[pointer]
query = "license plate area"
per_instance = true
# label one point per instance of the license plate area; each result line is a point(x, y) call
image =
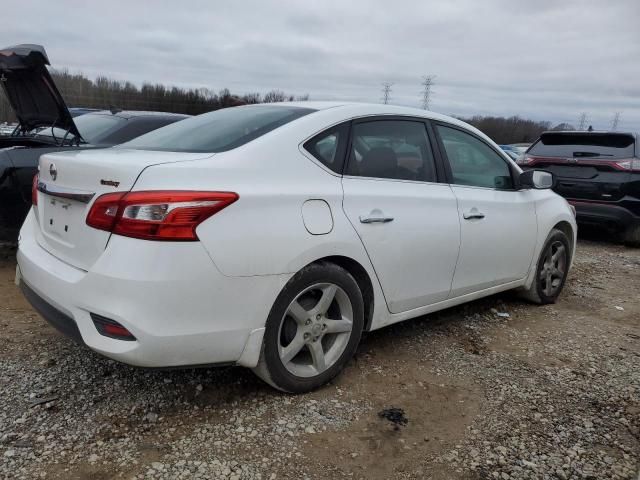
point(59, 218)
point(581, 172)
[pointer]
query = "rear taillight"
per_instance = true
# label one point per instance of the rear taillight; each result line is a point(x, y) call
point(157, 215)
point(525, 159)
point(34, 189)
point(629, 164)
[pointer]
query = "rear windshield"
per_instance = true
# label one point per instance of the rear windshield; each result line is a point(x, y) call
point(218, 131)
point(610, 145)
point(95, 126)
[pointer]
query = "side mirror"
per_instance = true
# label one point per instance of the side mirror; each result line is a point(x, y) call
point(538, 179)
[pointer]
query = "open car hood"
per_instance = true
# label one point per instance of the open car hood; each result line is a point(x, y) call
point(31, 91)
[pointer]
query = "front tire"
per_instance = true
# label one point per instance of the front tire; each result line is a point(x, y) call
point(313, 329)
point(631, 236)
point(551, 270)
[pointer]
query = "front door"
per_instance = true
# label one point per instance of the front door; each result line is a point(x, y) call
point(498, 222)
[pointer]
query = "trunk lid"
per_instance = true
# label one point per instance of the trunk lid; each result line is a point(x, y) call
point(587, 165)
point(68, 185)
point(31, 91)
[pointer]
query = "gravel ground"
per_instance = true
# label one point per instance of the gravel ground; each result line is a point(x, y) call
point(494, 389)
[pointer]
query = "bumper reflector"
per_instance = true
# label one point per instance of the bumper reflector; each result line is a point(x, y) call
point(111, 328)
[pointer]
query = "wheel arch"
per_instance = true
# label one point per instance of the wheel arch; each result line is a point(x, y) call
point(566, 228)
point(362, 278)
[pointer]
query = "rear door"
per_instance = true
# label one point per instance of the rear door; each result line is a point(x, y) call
point(498, 223)
point(407, 221)
point(588, 165)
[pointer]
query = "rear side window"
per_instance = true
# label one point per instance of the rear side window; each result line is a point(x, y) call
point(329, 147)
point(393, 149)
point(584, 145)
point(220, 130)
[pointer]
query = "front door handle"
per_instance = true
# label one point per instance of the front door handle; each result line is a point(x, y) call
point(474, 213)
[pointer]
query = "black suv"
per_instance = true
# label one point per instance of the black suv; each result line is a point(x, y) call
point(597, 172)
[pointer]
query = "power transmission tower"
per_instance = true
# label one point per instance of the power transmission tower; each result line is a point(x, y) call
point(582, 121)
point(386, 92)
point(615, 121)
point(427, 83)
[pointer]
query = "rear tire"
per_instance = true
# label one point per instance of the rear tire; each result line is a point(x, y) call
point(551, 269)
point(313, 329)
point(631, 236)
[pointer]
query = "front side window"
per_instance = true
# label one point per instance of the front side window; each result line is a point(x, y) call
point(393, 149)
point(473, 162)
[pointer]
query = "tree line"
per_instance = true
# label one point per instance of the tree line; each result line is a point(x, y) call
point(104, 93)
point(505, 130)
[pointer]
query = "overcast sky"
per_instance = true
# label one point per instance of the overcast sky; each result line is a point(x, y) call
point(542, 59)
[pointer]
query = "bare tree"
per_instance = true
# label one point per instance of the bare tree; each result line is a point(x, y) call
point(615, 121)
point(386, 92)
point(509, 130)
point(427, 83)
point(275, 96)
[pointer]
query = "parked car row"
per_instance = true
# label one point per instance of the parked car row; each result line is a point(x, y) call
point(7, 128)
point(45, 124)
point(513, 152)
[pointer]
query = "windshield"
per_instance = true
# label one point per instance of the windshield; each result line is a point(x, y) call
point(584, 145)
point(218, 131)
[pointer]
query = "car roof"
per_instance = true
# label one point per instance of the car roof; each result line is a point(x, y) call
point(365, 109)
point(344, 111)
point(587, 132)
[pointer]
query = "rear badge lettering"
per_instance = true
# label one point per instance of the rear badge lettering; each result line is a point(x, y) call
point(110, 183)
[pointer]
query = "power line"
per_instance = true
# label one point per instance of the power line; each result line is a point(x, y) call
point(386, 92)
point(427, 83)
point(615, 121)
point(582, 121)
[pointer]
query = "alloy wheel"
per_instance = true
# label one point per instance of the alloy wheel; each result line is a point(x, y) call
point(554, 268)
point(315, 329)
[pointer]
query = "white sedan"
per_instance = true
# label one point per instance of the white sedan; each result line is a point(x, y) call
point(272, 236)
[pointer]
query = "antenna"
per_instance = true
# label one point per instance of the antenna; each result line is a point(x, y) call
point(386, 92)
point(427, 83)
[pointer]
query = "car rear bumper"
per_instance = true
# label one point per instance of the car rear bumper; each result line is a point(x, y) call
point(611, 215)
point(170, 296)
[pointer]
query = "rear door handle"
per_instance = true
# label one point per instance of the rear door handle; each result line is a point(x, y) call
point(474, 213)
point(375, 219)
